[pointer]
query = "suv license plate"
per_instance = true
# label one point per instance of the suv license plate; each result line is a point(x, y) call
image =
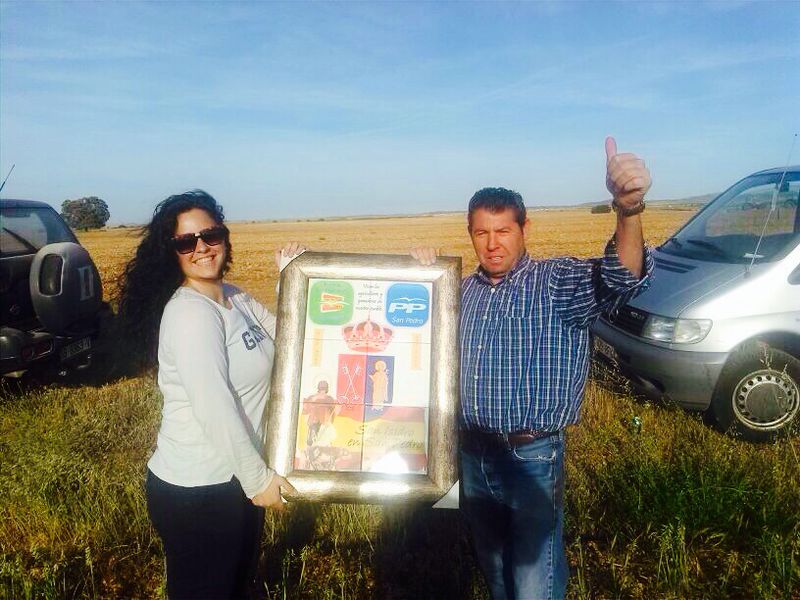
point(76, 348)
point(606, 349)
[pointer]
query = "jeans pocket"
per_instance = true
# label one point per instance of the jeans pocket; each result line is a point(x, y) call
point(540, 451)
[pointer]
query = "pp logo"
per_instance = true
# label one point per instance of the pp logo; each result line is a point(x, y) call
point(407, 305)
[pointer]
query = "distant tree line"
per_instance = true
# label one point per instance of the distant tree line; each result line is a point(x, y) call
point(85, 213)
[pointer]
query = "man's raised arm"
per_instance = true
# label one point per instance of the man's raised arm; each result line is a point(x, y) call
point(628, 180)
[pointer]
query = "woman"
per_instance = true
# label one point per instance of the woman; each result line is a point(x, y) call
point(207, 482)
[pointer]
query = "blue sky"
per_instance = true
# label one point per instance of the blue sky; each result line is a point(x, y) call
point(313, 109)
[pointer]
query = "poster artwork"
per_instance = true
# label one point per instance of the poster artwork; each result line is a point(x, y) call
point(365, 377)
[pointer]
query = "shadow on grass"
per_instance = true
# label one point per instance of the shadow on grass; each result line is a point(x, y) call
point(287, 537)
point(424, 553)
point(110, 363)
point(350, 551)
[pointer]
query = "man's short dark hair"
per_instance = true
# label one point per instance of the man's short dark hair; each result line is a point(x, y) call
point(495, 200)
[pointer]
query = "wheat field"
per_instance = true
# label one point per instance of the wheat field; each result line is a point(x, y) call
point(573, 232)
point(658, 505)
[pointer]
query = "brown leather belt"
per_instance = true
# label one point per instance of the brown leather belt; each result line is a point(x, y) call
point(475, 439)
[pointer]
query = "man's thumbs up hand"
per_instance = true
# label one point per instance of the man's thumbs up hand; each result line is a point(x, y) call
point(626, 177)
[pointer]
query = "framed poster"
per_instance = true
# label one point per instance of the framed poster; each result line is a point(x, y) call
point(364, 397)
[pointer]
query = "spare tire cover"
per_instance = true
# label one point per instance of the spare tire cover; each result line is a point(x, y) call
point(65, 288)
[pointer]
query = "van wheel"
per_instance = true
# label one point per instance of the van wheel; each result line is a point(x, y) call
point(758, 393)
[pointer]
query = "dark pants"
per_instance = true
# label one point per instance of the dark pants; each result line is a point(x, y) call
point(513, 501)
point(211, 536)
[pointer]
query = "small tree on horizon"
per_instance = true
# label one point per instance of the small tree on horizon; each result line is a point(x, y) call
point(600, 208)
point(85, 213)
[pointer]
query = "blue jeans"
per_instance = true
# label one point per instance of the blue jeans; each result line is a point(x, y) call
point(513, 502)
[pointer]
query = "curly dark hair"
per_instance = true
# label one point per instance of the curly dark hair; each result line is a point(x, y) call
point(153, 274)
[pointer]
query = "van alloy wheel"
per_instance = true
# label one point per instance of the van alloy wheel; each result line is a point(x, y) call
point(766, 399)
point(758, 393)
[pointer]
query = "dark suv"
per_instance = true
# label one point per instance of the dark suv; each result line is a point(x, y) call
point(50, 291)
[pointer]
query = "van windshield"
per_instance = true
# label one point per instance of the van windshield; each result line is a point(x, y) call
point(728, 229)
point(26, 230)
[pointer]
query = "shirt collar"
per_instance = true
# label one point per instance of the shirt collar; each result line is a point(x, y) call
point(521, 266)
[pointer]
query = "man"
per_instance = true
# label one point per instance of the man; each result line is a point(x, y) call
point(524, 361)
point(318, 404)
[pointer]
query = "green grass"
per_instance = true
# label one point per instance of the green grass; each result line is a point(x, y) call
point(679, 510)
point(74, 522)
point(667, 509)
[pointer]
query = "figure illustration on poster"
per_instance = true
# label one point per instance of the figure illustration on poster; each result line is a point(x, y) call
point(379, 382)
point(320, 453)
point(316, 414)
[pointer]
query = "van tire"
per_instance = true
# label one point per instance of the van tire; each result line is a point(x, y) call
point(758, 393)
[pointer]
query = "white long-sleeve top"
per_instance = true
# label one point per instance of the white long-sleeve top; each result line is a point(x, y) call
point(214, 367)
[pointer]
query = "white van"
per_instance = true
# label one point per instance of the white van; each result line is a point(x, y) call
point(719, 327)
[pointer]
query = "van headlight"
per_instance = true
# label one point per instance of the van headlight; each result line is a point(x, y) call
point(677, 331)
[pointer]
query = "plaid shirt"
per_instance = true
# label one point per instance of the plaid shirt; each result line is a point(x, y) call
point(525, 341)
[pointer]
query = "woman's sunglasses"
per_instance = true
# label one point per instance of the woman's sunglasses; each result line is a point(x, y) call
point(213, 236)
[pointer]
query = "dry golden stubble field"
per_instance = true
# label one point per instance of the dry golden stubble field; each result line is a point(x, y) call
point(668, 508)
point(574, 232)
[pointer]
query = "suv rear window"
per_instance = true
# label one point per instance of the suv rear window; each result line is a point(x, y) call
point(26, 230)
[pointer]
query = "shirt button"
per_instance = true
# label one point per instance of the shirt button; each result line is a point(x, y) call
point(484, 317)
point(480, 347)
point(474, 376)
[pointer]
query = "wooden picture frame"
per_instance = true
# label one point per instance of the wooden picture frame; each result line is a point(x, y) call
point(373, 337)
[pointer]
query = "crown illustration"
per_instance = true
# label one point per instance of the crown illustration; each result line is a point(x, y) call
point(367, 336)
